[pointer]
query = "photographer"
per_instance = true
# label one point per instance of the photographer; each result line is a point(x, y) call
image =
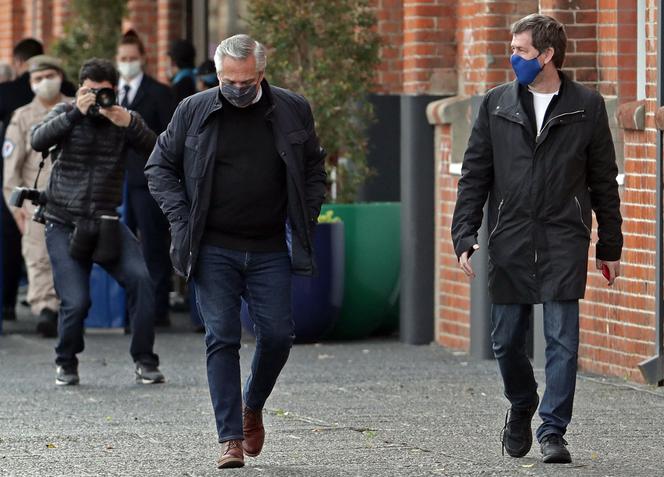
point(22, 167)
point(82, 225)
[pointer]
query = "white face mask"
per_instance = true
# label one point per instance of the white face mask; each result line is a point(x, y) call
point(129, 69)
point(47, 89)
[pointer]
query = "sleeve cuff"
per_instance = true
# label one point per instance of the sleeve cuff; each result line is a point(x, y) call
point(75, 115)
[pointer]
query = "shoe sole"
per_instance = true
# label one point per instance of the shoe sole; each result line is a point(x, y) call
point(140, 380)
point(557, 459)
point(231, 463)
point(66, 383)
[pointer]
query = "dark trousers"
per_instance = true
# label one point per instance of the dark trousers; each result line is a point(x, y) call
point(145, 216)
point(11, 258)
point(72, 283)
point(561, 332)
point(263, 279)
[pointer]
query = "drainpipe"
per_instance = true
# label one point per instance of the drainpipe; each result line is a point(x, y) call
point(652, 369)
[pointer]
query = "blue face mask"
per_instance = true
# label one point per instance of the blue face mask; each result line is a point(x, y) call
point(526, 70)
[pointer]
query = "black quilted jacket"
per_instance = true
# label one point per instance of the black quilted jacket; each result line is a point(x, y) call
point(89, 166)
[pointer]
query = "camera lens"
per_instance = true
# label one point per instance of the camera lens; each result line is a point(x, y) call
point(106, 97)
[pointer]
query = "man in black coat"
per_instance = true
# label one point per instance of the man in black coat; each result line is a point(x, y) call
point(154, 102)
point(182, 56)
point(240, 175)
point(541, 150)
point(13, 95)
point(82, 223)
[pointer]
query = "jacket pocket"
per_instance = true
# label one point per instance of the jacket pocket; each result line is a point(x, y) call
point(578, 207)
point(495, 227)
point(193, 166)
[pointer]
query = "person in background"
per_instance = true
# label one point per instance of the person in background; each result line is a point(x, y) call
point(21, 169)
point(182, 55)
point(13, 95)
point(82, 223)
point(206, 76)
point(153, 100)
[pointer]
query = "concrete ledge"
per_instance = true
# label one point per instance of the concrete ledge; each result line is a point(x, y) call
point(449, 110)
point(632, 115)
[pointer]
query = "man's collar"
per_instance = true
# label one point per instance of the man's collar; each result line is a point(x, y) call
point(134, 83)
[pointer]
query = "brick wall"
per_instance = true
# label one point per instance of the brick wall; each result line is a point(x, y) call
point(143, 19)
point(389, 75)
point(156, 21)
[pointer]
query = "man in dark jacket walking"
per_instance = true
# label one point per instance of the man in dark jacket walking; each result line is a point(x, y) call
point(239, 174)
point(154, 102)
point(82, 226)
point(542, 152)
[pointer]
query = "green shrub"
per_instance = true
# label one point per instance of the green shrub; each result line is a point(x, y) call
point(326, 50)
point(92, 31)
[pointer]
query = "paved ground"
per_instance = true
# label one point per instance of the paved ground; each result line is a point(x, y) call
point(375, 408)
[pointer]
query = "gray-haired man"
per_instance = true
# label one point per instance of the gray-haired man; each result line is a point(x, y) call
point(239, 174)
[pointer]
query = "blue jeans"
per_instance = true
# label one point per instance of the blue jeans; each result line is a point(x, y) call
point(561, 332)
point(72, 283)
point(222, 277)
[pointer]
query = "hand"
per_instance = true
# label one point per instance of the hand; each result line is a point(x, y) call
point(84, 99)
point(117, 115)
point(464, 261)
point(20, 216)
point(614, 269)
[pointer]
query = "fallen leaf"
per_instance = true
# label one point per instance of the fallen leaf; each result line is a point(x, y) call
point(51, 446)
point(527, 466)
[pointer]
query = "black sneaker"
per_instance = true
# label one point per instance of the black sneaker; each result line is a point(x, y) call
point(148, 374)
point(517, 437)
point(66, 376)
point(554, 450)
point(48, 323)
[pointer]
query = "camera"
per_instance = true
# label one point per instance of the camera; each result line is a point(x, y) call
point(104, 98)
point(37, 197)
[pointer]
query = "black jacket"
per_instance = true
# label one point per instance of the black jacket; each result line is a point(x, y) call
point(154, 102)
point(541, 192)
point(180, 174)
point(88, 170)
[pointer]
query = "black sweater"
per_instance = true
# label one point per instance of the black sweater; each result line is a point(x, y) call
point(248, 203)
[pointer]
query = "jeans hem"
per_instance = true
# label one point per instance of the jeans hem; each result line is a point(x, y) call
point(233, 437)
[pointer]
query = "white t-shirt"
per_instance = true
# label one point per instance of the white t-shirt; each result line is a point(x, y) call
point(541, 102)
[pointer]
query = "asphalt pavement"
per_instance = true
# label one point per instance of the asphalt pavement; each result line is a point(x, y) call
point(368, 408)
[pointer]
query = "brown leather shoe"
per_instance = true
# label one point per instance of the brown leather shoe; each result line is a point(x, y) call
point(231, 455)
point(254, 432)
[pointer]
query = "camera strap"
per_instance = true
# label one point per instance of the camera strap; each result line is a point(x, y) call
point(42, 163)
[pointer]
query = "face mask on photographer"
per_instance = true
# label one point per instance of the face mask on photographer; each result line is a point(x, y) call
point(130, 69)
point(47, 89)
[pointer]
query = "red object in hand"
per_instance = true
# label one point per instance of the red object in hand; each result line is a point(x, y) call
point(606, 272)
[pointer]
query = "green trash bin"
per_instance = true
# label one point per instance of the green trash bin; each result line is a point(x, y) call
point(371, 289)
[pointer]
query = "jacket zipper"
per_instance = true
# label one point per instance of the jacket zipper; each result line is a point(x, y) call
point(556, 117)
point(500, 206)
point(578, 205)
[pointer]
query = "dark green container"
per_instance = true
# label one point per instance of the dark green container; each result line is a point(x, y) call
point(371, 289)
